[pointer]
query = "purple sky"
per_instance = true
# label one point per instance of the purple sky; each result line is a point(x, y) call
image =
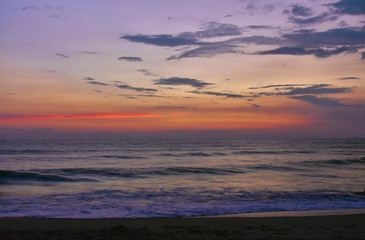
point(182, 68)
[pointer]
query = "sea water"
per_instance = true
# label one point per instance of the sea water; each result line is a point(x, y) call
point(170, 178)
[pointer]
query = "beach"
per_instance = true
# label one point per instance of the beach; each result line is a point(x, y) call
point(315, 225)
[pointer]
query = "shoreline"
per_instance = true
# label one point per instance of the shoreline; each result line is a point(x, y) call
point(274, 214)
point(337, 224)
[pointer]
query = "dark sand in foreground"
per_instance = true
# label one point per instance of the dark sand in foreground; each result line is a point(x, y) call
point(294, 227)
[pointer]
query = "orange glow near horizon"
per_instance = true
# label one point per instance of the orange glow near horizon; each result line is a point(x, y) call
point(195, 121)
point(86, 116)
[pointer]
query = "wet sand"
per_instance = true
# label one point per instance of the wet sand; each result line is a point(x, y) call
point(337, 224)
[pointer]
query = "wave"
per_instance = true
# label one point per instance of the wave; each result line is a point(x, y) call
point(248, 152)
point(27, 151)
point(202, 170)
point(274, 168)
point(122, 157)
point(194, 154)
point(175, 202)
point(338, 161)
point(143, 172)
point(94, 174)
point(6, 176)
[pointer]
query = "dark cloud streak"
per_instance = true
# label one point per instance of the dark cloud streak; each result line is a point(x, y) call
point(301, 42)
point(318, 52)
point(89, 52)
point(279, 85)
point(131, 59)
point(319, 101)
point(313, 20)
point(316, 89)
point(214, 29)
point(61, 55)
point(302, 11)
point(208, 50)
point(332, 37)
point(258, 27)
point(138, 89)
point(227, 95)
point(352, 7)
point(146, 72)
point(97, 83)
point(229, 46)
point(175, 81)
point(348, 78)
point(161, 40)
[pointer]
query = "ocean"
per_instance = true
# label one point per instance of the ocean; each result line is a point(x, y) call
point(178, 178)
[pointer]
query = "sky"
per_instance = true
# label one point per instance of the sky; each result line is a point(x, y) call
point(182, 68)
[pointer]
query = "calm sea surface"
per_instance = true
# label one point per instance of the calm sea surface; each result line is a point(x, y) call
point(102, 179)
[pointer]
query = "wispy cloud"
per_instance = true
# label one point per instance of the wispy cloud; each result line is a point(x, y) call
point(97, 83)
point(165, 40)
point(146, 72)
point(319, 101)
point(259, 40)
point(279, 85)
point(259, 7)
point(32, 8)
point(259, 27)
point(91, 80)
point(90, 52)
point(298, 10)
point(318, 52)
point(131, 59)
point(176, 81)
point(204, 49)
point(213, 29)
point(332, 37)
point(233, 45)
point(306, 94)
point(138, 89)
point(39, 8)
point(299, 42)
point(62, 55)
point(220, 94)
point(317, 89)
point(348, 78)
point(324, 17)
point(321, 44)
point(352, 7)
point(285, 50)
point(153, 96)
point(290, 89)
point(210, 30)
point(208, 50)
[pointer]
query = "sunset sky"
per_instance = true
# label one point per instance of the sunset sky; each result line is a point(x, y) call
point(254, 67)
